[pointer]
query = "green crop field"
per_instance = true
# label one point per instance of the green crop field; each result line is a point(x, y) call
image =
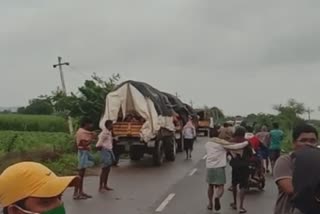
point(18, 141)
point(41, 123)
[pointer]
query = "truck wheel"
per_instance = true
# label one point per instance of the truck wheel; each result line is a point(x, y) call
point(158, 153)
point(135, 153)
point(170, 146)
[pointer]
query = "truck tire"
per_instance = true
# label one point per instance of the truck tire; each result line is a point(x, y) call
point(170, 149)
point(135, 153)
point(158, 153)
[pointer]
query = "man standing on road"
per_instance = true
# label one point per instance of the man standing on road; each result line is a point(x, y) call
point(30, 187)
point(104, 144)
point(240, 169)
point(276, 137)
point(303, 135)
point(215, 163)
point(84, 137)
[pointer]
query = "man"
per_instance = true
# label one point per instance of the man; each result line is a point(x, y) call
point(264, 138)
point(306, 188)
point(216, 162)
point(240, 169)
point(30, 187)
point(226, 132)
point(107, 158)
point(303, 135)
point(276, 137)
point(84, 137)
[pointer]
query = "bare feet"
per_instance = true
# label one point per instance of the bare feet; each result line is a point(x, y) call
point(85, 195)
point(108, 188)
point(102, 190)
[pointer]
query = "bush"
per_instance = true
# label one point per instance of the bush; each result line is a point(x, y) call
point(65, 165)
point(16, 141)
point(21, 122)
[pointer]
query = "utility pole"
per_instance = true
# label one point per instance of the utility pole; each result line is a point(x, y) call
point(60, 64)
point(309, 111)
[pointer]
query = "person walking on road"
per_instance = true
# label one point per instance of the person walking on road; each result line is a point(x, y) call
point(240, 169)
point(107, 158)
point(189, 134)
point(276, 138)
point(30, 187)
point(264, 138)
point(303, 135)
point(84, 137)
point(216, 162)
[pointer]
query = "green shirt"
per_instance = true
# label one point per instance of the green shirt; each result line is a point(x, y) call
point(276, 137)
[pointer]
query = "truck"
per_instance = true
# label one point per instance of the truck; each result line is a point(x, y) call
point(205, 123)
point(143, 122)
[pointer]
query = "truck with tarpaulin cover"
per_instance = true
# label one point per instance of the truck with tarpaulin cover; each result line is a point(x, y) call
point(143, 121)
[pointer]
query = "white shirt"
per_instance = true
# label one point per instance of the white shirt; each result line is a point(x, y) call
point(105, 139)
point(189, 131)
point(217, 153)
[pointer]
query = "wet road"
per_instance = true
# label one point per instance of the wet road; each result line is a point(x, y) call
point(177, 187)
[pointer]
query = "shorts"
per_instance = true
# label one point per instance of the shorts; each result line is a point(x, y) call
point(216, 176)
point(107, 158)
point(274, 154)
point(240, 176)
point(188, 144)
point(85, 159)
point(264, 152)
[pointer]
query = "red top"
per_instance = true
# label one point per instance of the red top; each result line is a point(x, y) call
point(254, 142)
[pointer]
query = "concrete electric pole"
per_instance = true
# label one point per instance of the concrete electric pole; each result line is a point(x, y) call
point(60, 64)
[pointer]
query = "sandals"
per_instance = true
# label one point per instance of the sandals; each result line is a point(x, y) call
point(209, 207)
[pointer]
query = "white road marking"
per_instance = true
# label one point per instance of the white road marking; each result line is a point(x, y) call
point(193, 171)
point(204, 157)
point(165, 202)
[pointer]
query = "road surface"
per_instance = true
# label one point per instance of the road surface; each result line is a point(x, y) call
point(174, 188)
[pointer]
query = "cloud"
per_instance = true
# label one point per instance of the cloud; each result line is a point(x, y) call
point(193, 47)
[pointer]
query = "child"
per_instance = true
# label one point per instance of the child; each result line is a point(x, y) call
point(84, 138)
point(107, 157)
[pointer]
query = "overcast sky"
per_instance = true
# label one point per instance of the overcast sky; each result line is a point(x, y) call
point(242, 56)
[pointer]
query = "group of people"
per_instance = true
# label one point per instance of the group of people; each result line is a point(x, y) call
point(29, 187)
point(217, 151)
point(297, 175)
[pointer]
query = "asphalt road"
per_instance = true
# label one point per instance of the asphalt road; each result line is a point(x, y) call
point(174, 188)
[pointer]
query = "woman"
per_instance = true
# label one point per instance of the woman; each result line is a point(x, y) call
point(105, 146)
point(189, 134)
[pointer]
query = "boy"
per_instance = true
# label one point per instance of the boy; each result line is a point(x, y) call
point(84, 138)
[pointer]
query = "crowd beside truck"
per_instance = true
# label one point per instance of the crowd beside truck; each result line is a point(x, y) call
point(140, 120)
